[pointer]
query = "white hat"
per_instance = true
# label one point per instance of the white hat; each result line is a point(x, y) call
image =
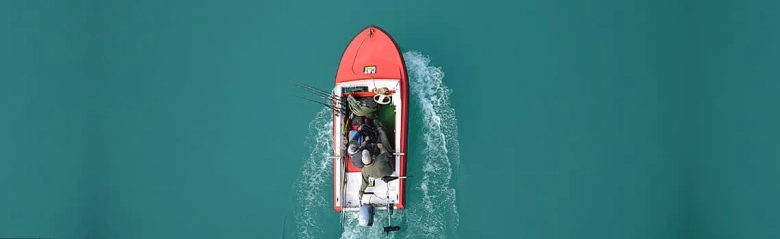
point(366, 157)
point(352, 150)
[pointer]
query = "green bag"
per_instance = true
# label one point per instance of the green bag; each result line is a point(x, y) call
point(363, 107)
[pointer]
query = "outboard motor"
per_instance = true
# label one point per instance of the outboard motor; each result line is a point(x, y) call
point(366, 215)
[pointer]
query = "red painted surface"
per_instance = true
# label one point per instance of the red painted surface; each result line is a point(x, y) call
point(378, 50)
point(366, 94)
point(373, 47)
point(351, 167)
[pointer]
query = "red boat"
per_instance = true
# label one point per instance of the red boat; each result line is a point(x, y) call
point(372, 66)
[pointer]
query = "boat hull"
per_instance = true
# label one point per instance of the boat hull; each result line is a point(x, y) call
point(371, 60)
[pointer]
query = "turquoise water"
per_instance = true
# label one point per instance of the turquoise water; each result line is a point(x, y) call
point(564, 119)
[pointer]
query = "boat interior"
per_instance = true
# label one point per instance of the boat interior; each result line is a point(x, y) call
point(385, 114)
point(385, 95)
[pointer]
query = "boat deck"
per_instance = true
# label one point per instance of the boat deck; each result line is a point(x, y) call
point(374, 195)
point(386, 115)
point(346, 191)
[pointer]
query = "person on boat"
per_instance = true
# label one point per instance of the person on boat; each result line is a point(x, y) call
point(362, 136)
point(357, 149)
point(377, 166)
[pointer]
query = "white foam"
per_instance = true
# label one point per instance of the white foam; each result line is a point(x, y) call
point(311, 195)
point(438, 214)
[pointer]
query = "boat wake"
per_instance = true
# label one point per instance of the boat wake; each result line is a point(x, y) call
point(436, 216)
point(313, 189)
point(431, 210)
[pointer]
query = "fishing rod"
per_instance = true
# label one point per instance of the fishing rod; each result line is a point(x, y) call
point(333, 98)
point(316, 92)
point(333, 107)
point(320, 93)
point(310, 87)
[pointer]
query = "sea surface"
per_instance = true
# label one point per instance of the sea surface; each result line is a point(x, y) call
point(529, 119)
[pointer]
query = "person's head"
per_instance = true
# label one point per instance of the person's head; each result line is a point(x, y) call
point(367, 160)
point(353, 148)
